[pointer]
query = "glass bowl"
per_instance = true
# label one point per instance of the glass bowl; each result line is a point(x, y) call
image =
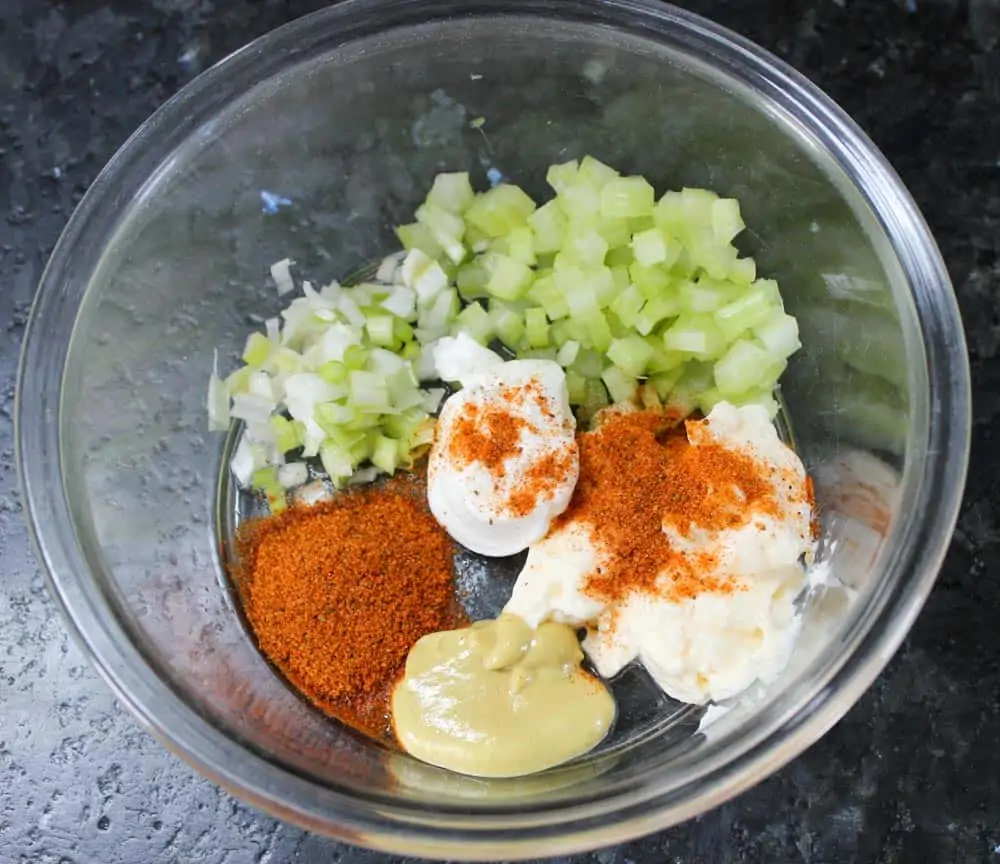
point(348, 114)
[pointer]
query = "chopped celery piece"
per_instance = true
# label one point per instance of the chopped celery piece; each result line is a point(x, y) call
point(595, 173)
point(631, 354)
point(475, 321)
point(507, 324)
point(779, 334)
point(580, 203)
point(369, 391)
point(402, 331)
point(257, 350)
point(726, 219)
point(603, 283)
point(238, 381)
point(567, 353)
point(576, 384)
point(696, 335)
point(654, 311)
point(548, 295)
point(417, 236)
point(588, 363)
point(520, 245)
point(577, 290)
point(619, 256)
point(626, 197)
point(451, 192)
point(380, 330)
point(627, 305)
point(621, 385)
point(536, 328)
point(742, 271)
point(537, 354)
point(705, 295)
point(500, 210)
point(561, 177)
point(286, 433)
point(586, 249)
point(446, 228)
point(747, 311)
point(331, 416)
point(472, 279)
point(337, 462)
point(615, 232)
point(598, 329)
point(548, 224)
point(355, 357)
point(651, 281)
point(385, 454)
point(746, 366)
point(621, 278)
point(596, 394)
point(650, 247)
point(509, 278)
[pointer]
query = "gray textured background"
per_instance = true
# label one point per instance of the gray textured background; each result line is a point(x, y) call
point(911, 774)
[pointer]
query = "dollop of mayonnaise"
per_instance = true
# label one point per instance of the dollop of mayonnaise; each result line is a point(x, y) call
point(499, 699)
point(699, 646)
point(504, 460)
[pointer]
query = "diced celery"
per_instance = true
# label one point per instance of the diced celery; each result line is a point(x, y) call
point(567, 353)
point(626, 197)
point(507, 324)
point(548, 224)
point(622, 280)
point(380, 330)
point(475, 321)
point(401, 330)
point(595, 394)
point(537, 354)
point(417, 236)
point(604, 286)
point(580, 202)
point(779, 334)
point(595, 173)
point(656, 310)
point(649, 247)
point(696, 335)
point(669, 213)
point(337, 462)
point(451, 192)
point(705, 295)
point(286, 361)
point(616, 232)
point(588, 363)
point(519, 245)
point(715, 258)
point(545, 292)
point(630, 354)
point(369, 391)
point(648, 396)
point(385, 454)
point(621, 386)
point(500, 210)
point(355, 357)
point(560, 177)
point(446, 228)
point(742, 271)
point(750, 309)
point(333, 371)
point(726, 219)
point(576, 384)
point(509, 278)
point(472, 278)
point(663, 360)
point(331, 416)
point(771, 292)
point(598, 329)
point(577, 290)
point(238, 381)
point(698, 204)
point(627, 305)
point(651, 281)
point(257, 350)
point(745, 366)
point(586, 249)
point(286, 433)
point(664, 382)
point(536, 328)
point(619, 256)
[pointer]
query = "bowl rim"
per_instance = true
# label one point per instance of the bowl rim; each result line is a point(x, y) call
point(283, 794)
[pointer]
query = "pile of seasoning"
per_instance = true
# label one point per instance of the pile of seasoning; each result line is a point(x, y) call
point(337, 594)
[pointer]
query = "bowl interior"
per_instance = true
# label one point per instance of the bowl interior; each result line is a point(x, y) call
point(352, 134)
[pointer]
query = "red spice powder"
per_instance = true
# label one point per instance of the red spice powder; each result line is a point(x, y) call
point(638, 473)
point(542, 480)
point(488, 434)
point(338, 593)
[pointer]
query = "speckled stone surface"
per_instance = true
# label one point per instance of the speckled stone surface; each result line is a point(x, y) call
point(913, 771)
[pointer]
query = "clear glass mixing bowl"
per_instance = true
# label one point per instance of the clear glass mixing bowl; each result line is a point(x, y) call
point(349, 113)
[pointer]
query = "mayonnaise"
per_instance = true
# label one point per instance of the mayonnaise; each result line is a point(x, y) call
point(504, 460)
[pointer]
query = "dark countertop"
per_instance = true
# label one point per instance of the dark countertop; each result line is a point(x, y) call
point(912, 773)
